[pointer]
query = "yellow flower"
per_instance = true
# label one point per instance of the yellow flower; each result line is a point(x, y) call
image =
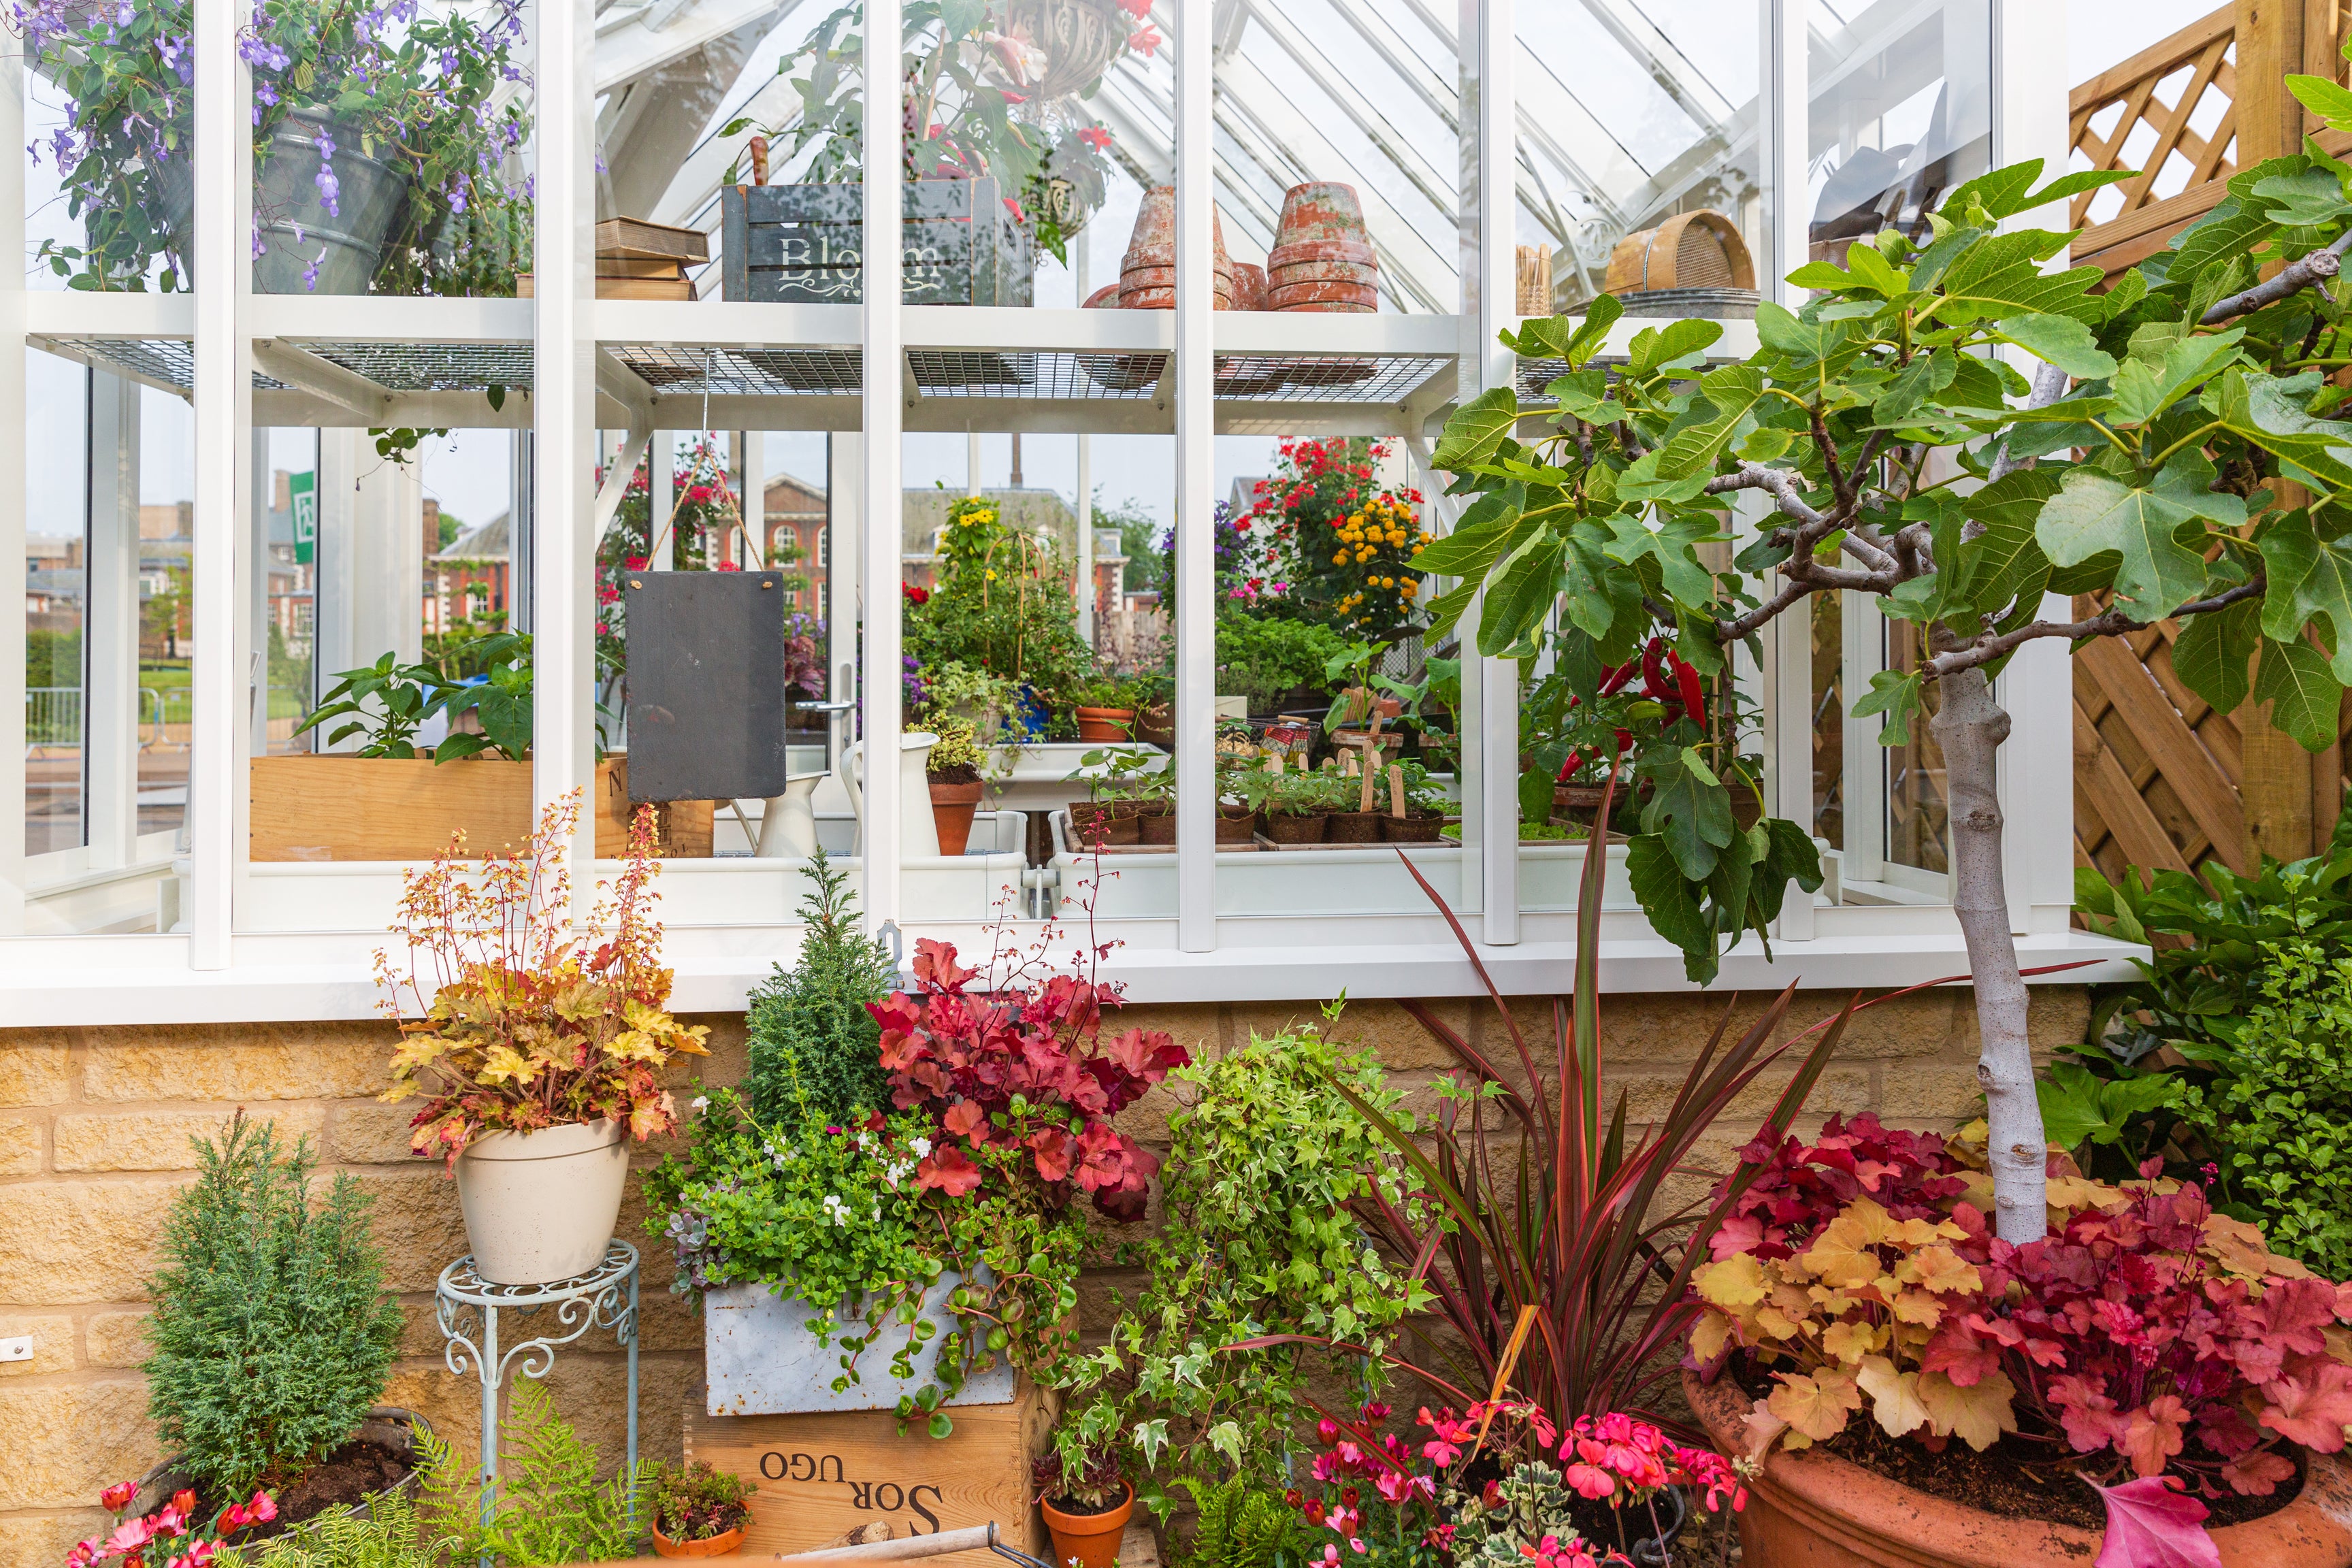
point(1409, 588)
point(1340, 559)
point(992, 573)
point(1419, 548)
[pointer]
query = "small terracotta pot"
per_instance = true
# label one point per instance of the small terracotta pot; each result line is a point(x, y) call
point(1088, 1539)
point(1352, 827)
point(1816, 1511)
point(1105, 724)
point(1155, 828)
point(1287, 828)
point(1235, 824)
point(1249, 286)
point(1415, 829)
point(1097, 823)
point(725, 1545)
point(951, 808)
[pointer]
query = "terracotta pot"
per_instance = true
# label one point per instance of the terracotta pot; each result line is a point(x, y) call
point(1322, 258)
point(1352, 827)
point(1816, 1511)
point(1317, 213)
point(1097, 823)
point(1155, 827)
point(1102, 298)
point(1416, 829)
point(1349, 299)
point(714, 1546)
point(1235, 825)
point(1287, 828)
point(1156, 726)
point(1088, 1539)
point(1105, 724)
point(1249, 286)
point(951, 808)
point(1118, 372)
point(1146, 273)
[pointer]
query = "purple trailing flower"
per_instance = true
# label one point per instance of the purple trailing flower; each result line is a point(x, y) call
point(329, 188)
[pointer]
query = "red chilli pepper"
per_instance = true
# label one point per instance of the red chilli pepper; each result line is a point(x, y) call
point(1694, 697)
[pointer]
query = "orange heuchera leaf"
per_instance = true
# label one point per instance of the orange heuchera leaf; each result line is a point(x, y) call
point(1940, 1269)
point(948, 1169)
point(2152, 1434)
point(2258, 1473)
point(1817, 1405)
point(1895, 1399)
point(1843, 1254)
point(1976, 1415)
point(1849, 1343)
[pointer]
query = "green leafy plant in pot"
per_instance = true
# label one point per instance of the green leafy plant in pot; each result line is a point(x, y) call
point(1086, 1499)
point(952, 771)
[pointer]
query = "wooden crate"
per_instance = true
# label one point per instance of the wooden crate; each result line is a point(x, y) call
point(803, 244)
point(822, 1475)
point(333, 807)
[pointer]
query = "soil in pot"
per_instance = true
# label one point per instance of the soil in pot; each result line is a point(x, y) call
point(1633, 1532)
point(1156, 826)
point(1284, 828)
point(360, 1469)
point(1105, 724)
point(1352, 827)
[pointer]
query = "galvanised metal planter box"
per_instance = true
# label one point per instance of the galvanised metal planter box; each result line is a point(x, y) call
point(762, 1359)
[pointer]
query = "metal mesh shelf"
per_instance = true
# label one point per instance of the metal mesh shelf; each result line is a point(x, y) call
point(744, 373)
point(163, 362)
point(432, 367)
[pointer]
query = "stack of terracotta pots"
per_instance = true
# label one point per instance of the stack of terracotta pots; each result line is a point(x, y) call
point(1147, 274)
point(1321, 260)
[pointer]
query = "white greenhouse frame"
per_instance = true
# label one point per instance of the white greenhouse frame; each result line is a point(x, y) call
point(218, 967)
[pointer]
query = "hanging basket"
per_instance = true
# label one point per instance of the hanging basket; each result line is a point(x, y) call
point(1079, 37)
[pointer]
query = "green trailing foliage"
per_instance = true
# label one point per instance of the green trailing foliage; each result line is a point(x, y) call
point(272, 1328)
point(815, 1052)
point(1263, 1170)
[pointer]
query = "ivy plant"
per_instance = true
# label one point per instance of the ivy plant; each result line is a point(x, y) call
point(2174, 455)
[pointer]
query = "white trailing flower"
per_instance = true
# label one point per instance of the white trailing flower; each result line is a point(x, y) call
point(836, 1210)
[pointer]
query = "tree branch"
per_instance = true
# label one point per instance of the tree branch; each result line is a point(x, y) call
point(2293, 278)
point(2048, 386)
point(1985, 649)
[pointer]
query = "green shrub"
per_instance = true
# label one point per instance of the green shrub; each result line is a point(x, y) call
point(1265, 658)
point(1245, 1524)
point(2277, 1115)
point(272, 1328)
point(549, 1505)
point(815, 1052)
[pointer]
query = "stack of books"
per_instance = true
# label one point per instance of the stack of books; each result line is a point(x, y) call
point(640, 260)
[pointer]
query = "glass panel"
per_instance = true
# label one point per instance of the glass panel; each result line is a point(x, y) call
point(1894, 123)
point(289, 555)
point(390, 147)
point(1827, 631)
point(56, 578)
point(1640, 162)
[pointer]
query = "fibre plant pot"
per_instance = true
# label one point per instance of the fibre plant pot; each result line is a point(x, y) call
point(539, 1206)
point(1088, 1539)
point(951, 808)
point(709, 1546)
point(1296, 827)
point(1816, 1511)
point(1105, 724)
point(1100, 822)
point(1417, 828)
point(1352, 827)
point(1235, 825)
point(1155, 827)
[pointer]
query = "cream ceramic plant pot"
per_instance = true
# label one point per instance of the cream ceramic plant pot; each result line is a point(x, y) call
point(539, 1206)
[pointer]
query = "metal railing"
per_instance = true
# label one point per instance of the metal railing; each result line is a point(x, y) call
point(53, 714)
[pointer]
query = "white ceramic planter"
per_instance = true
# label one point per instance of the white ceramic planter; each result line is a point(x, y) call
point(540, 1206)
point(761, 1359)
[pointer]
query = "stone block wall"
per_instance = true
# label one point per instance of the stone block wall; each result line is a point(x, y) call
point(95, 1124)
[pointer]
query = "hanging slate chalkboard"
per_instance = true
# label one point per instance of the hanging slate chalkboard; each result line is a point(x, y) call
point(706, 681)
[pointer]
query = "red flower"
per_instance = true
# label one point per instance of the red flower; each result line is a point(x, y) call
point(1146, 41)
point(1095, 136)
point(727, 566)
point(118, 1497)
point(633, 562)
point(916, 595)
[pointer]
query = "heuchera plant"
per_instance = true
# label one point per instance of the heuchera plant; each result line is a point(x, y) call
point(1022, 1069)
point(168, 1538)
point(2147, 1335)
point(516, 1021)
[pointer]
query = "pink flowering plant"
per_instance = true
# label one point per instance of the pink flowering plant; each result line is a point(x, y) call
point(1403, 1500)
point(168, 1538)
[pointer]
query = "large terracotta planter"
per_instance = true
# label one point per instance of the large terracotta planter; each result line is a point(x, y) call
point(1815, 1511)
point(710, 1546)
point(539, 1206)
point(1088, 1539)
point(952, 806)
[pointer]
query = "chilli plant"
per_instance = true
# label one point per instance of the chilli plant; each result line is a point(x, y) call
point(1556, 1256)
point(1895, 452)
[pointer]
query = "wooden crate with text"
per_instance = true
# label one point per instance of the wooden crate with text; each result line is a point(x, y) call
point(820, 1474)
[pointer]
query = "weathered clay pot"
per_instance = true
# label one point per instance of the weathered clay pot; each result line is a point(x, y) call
point(1249, 286)
point(1087, 1540)
point(952, 806)
point(1322, 258)
point(710, 1546)
point(1146, 273)
point(1816, 1511)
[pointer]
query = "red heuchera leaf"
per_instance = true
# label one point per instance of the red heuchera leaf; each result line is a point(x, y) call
point(2150, 1525)
point(2311, 1409)
point(964, 1117)
point(2259, 1474)
point(2151, 1436)
point(1052, 1149)
point(949, 1169)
